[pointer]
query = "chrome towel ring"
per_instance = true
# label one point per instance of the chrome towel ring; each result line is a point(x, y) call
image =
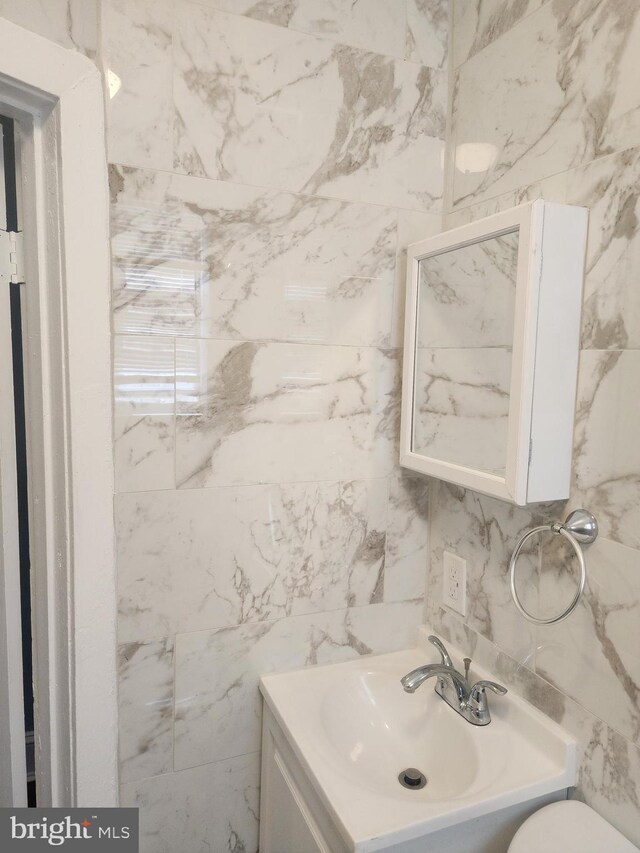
point(580, 528)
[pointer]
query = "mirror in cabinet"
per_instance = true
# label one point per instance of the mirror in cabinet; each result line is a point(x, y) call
point(491, 352)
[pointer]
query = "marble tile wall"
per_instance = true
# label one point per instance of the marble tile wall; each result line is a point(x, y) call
point(73, 24)
point(544, 105)
point(269, 163)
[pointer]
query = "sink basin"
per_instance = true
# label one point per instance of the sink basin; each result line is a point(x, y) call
point(374, 730)
point(354, 729)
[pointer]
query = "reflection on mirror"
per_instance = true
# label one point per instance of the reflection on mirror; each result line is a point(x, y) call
point(464, 339)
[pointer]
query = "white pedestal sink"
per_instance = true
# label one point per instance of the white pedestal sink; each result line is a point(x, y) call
point(337, 737)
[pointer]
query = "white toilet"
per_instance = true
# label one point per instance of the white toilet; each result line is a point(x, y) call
point(569, 827)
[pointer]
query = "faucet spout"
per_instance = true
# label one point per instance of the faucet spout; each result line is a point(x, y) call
point(453, 687)
point(412, 680)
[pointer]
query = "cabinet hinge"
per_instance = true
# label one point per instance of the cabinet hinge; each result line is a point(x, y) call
point(11, 257)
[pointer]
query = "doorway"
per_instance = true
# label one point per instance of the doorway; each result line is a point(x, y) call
point(13, 374)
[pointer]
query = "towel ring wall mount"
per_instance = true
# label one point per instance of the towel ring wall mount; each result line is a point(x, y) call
point(580, 528)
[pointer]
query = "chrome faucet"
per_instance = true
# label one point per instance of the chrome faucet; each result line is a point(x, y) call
point(412, 680)
point(470, 702)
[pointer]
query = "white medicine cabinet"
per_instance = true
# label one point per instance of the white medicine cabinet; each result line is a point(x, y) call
point(491, 351)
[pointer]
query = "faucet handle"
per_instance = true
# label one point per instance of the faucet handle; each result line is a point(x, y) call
point(478, 703)
point(477, 691)
point(440, 646)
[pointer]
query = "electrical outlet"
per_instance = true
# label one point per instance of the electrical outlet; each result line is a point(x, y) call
point(454, 592)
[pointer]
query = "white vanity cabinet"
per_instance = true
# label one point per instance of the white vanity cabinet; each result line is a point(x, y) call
point(295, 819)
point(338, 738)
point(292, 817)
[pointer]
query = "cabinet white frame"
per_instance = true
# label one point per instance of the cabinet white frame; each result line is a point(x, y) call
point(546, 343)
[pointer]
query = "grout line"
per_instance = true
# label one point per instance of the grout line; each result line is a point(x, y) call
point(381, 348)
point(321, 37)
point(225, 487)
point(187, 769)
point(285, 191)
point(174, 668)
point(274, 620)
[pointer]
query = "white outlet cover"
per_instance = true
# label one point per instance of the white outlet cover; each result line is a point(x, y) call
point(454, 582)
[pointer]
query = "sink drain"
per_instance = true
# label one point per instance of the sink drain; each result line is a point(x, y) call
point(412, 779)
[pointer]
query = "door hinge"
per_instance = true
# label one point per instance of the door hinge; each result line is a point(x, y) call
point(11, 257)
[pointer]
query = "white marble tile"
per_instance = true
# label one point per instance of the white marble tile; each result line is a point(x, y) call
point(375, 25)
point(484, 531)
point(276, 12)
point(461, 406)
point(608, 187)
point(144, 412)
point(606, 451)
point(156, 252)
point(295, 112)
point(70, 23)
point(549, 189)
point(407, 537)
point(144, 452)
point(534, 137)
point(226, 261)
point(252, 413)
point(457, 218)
point(593, 655)
point(377, 629)
point(427, 32)
point(218, 705)
point(477, 23)
point(137, 61)
point(608, 776)
point(213, 808)
point(193, 559)
point(145, 709)
point(146, 592)
point(144, 381)
point(555, 112)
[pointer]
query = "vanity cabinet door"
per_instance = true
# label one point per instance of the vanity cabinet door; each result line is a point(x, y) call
point(292, 818)
point(289, 827)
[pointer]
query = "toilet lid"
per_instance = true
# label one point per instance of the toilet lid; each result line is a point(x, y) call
point(569, 827)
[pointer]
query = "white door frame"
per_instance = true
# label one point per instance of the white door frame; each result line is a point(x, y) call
point(56, 97)
point(13, 770)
